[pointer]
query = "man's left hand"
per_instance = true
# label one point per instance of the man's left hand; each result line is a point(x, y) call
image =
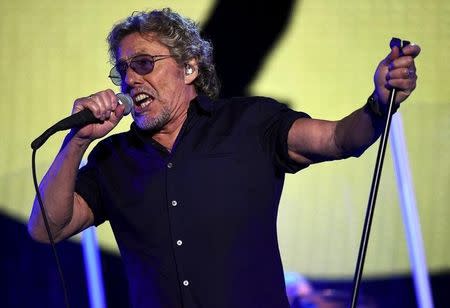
point(397, 70)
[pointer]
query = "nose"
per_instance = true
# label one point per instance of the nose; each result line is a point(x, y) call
point(132, 78)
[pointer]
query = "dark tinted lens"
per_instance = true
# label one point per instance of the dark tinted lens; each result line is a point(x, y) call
point(142, 64)
point(115, 76)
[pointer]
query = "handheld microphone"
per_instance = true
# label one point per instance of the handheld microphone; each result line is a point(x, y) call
point(79, 119)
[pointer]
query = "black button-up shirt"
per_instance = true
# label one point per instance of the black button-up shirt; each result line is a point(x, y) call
point(196, 227)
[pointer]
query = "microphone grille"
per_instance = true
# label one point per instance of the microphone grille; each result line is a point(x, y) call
point(126, 100)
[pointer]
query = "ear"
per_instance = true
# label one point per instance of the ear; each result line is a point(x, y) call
point(190, 71)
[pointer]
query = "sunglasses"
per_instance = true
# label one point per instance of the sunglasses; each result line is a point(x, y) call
point(141, 64)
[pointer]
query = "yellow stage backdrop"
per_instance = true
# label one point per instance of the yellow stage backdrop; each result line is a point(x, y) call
point(55, 51)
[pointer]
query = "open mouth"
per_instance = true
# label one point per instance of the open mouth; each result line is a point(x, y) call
point(142, 100)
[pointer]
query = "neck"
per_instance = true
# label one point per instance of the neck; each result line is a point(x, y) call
point(167, 136)
point(169, 133)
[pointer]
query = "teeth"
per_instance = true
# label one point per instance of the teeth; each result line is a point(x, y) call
point(145, 104)
point(141, 97)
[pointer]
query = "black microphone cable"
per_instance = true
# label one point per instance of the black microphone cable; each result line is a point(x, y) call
point(47, 228)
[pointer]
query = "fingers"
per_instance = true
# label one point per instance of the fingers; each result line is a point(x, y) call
point(412, 50)
point(402, 70)
point(119, 111)
point(405, 85)
point(397, 59)
point(403, 79)
point(394, 54)
point(397, 70)
point(402, 73)
point(403, 61)
point(102, 104)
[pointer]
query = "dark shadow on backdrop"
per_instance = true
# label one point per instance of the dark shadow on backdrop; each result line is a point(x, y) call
point(243, 34)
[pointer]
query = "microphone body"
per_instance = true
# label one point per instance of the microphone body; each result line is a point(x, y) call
point(79, 119)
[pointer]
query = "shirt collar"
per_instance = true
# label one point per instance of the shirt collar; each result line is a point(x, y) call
point(201, 104)
point(204, 104)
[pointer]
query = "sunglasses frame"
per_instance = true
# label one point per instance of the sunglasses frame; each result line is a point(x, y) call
point(115, 75)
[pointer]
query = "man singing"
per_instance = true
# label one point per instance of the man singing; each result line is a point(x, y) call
point(192, 189)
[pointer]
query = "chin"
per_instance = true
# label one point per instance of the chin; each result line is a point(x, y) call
point(146, 123)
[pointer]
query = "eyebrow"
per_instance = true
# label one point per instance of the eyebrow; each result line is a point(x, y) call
point(143, 53)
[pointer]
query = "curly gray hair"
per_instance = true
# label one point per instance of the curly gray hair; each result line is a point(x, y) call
point(181, 35)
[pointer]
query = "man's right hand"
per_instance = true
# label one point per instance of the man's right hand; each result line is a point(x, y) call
point(105, 107)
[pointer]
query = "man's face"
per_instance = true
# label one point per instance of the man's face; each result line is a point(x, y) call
point(160, 95)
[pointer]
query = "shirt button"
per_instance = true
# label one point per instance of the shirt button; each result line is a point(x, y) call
point(169, 165)
point(174, 202)
point(179, 242)
point(185, 283)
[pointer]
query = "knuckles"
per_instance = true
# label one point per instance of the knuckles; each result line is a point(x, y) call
point(408, 60)
point(101, 103)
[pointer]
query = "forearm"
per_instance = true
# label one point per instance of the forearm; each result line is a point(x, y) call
point(57, 191)
point(359, 130)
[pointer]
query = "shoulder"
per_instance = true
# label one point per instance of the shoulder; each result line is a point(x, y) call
point(245, 101)
point(114, 140)
point(252, 104)
point(111, 144)
point(254, 110)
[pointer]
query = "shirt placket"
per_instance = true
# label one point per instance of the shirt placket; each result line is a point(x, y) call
point(176, 209)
